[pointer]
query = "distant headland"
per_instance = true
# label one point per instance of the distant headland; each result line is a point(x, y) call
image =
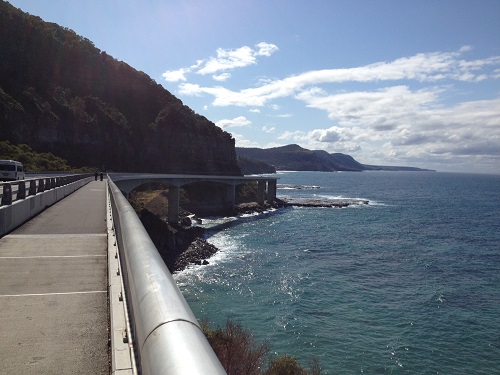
point(295, 158)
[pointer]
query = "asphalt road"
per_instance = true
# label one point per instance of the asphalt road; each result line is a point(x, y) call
point(53, 289)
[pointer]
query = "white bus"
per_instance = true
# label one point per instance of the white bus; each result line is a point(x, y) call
point(11, 170)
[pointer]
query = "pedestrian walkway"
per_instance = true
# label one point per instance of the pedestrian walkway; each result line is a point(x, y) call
point(53, 289)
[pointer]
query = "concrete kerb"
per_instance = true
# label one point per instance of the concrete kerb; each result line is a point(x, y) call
point(20, 211)
point(122, 352)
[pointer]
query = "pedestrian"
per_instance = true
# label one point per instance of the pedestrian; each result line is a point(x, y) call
point(96, 176)
point(101, 176)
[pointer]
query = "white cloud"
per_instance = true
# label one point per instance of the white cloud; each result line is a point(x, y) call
point(175, 75)
point(429, 132)
point(384, 107)
point(235, 122)
point(266, 49)
point(297, 135)
point(422, 67)
point(180, 74)
point(241, 141)
point(255, 110)
point(221, 77)
point(225, 59)
point(228, 59)
point(268, 129)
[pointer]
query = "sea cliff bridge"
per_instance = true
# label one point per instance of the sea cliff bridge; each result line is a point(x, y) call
point(83, 289)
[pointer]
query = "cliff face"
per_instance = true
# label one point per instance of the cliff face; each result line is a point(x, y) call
point(60, 94)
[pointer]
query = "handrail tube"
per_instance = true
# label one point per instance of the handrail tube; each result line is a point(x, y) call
point(167, 335)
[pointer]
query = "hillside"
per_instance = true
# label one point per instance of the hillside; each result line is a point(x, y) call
point(61, 94)
point(252, 166)
point(296, 158)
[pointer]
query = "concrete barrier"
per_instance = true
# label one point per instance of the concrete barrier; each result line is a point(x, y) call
point(18, 212)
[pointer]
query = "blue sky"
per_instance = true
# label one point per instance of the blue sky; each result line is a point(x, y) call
point(390, 82)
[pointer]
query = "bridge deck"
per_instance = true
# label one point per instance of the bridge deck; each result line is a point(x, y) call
point(53, 289)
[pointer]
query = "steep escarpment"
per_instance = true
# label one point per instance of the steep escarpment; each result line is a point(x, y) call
point(61, 94)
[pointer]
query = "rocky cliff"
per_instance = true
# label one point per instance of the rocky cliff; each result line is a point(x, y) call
point(61, 94)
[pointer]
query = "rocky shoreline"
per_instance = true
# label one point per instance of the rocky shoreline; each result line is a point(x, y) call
point(326, 202)
point(181, 245)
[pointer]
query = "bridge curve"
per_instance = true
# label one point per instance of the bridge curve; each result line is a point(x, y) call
point(128, 182)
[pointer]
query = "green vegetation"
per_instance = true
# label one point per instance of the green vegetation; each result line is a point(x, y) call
point(34, 161)
point(240, 354)
point(252, 166)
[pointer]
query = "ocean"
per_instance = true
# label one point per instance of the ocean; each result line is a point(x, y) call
point(408, 284)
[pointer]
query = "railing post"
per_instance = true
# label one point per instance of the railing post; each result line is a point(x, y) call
point(21, 190)
point(32, 190)
point(7, 194)
point(41, 185)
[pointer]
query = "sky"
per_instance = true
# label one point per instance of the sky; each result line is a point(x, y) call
point(389, 82)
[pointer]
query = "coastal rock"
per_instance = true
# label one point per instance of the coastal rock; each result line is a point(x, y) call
point(178, 246)
point(316, 202)
point(254, 207)
point(196, 253)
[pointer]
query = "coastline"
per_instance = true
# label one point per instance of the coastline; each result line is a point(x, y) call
point(200, 250)
point(184, 244)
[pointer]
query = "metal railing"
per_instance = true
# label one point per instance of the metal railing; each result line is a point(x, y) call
point(23, 199)
point(166, 336)
point(22, 189)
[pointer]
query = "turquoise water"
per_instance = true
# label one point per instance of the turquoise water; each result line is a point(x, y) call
point(409, 284)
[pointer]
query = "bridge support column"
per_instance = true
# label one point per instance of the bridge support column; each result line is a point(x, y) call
point(261, 193)
point(231, 196)
point(271, 190)
point(173, 204)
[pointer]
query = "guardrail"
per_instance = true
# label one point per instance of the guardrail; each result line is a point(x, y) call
point(166, 336)
point(23, 199)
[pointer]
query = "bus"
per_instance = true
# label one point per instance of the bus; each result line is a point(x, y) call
point(11, 170)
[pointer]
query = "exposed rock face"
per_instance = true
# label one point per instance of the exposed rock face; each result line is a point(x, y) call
point(178, 246)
